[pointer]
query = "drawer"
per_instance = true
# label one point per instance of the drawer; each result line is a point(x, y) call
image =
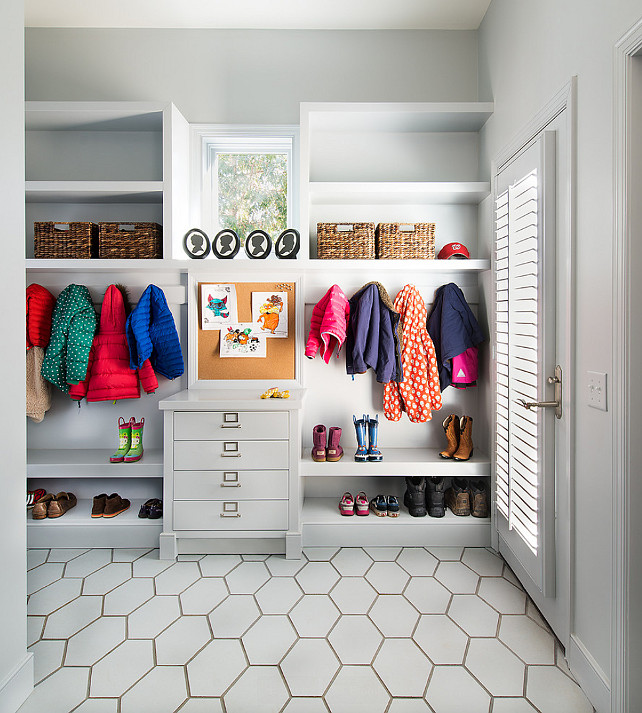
point(230, 455)
point(218, 425)
point(226, 484)
point(231, 515)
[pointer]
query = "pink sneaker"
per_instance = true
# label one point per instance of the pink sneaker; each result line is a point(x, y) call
point(346, 506)
point(362, 506)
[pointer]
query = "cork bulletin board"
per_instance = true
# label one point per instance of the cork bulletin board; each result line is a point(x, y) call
point(279, 362)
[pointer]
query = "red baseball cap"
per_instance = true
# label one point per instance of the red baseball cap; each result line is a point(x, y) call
point(453, 250)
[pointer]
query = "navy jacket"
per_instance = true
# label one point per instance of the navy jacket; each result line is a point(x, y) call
point(372, 339)
point(151, 334)
point(453, 329)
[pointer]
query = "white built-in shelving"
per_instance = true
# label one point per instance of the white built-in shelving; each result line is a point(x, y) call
point(90, 463)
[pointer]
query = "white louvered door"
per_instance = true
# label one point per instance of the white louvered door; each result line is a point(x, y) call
point(525, 318)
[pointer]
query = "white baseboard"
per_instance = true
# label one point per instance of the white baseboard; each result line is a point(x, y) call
point(17, 686)
point(589, 675)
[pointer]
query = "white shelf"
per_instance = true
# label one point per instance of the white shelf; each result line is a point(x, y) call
point(97, 265)
point(93, 116)
point(77, 528)
point(437, 266)
point(398, 193)
point(397, 462)
point(94, 192)
point(324, 526)
point(90, 463)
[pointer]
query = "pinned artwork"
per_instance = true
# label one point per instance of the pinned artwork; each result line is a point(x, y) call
point(218, 306)
point(270, 311)
point(243, 340)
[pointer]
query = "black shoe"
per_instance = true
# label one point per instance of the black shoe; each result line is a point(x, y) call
point(435, 497)
point(415, 496)
point(152, 509)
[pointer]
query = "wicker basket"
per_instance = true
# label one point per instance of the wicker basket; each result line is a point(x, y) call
point(78, 240)
point(346, 241)
point(402, 241)
point(130, 241)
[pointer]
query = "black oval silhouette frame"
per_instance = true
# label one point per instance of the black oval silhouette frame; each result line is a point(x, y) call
point(188, 235)
point(266, 252)
point(278, 245)
point(217, 238)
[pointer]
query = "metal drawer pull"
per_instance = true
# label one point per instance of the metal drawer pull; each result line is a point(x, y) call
point(231, 455)
point(230, 485)
point(230, 420)
point(231, 425)
point(230, 510)
point(230, 514)
point(231, 449)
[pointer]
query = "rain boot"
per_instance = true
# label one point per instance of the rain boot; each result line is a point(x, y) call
point(451, 427)
point(415, 496)
point(124, 440)
point(361, 455)
point(136, 450)
point(374, 454)
point(435, 497)
point(318, 444)
point(465, 449)
point(334, 451)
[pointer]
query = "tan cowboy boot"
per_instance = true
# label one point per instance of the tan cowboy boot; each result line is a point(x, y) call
point(451, 427)
point(465, 449)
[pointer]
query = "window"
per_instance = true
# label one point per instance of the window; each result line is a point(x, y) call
point(247, 179)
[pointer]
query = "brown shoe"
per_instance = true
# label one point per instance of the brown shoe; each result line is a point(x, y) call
point(451, 427)
point(479, 499)
point(39, 511)
point(465, 449)
point(458, 497)
point(114, 505)
point(60, 504)
point(98, 505)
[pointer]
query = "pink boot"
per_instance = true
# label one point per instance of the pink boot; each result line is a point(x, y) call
point(334, 451)
point(318, 444)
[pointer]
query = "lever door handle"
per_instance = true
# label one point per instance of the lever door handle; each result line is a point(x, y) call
point(538, 404)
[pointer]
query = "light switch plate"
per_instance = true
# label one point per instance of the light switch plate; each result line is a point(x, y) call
point(596, 388)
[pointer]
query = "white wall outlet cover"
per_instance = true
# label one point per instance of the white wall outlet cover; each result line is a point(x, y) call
point(596, 390)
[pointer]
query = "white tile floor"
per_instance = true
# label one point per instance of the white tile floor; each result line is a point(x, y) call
point(382, 630)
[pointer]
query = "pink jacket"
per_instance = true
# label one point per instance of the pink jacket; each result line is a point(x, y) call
point(328, 325)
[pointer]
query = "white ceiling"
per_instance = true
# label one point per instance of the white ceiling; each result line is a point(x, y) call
point(260, 14)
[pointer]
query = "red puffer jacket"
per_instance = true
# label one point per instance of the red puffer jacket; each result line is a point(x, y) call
point(109, 377)
point(40, 304)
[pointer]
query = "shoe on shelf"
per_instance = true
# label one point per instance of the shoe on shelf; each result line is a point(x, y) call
point(478, 499)
point(152, 509)
point(136, 450)
point(361, 455)
point(451, 428)
point(379, 505)
point(114, 505)
point(124, 440)
point(346, 505)
point(465, 449)
point(393, 506)
point(98, 505)
point(435, 497)
point(40, 508)
point(318, 444)
point(458, 497)
point(374, 454)
point(61, 504)
point(361, 504)
point(334, 451)
point(415, 496)
point(34, 495)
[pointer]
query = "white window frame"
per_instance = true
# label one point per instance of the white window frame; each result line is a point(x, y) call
point(207, 140)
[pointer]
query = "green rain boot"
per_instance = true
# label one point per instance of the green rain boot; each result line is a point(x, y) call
point(124, 440)
point(136, 450)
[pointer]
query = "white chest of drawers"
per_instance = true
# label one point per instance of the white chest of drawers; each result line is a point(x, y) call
point(231, 481)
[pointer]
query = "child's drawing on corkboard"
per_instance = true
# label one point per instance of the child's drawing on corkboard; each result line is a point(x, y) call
point(270, 310)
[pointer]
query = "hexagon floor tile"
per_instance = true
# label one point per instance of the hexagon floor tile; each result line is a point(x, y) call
point(378, 629)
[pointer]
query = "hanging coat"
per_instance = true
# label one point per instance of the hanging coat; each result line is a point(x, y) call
point(328, 324)
point(72, 334)
point(39, 304)
point(151, 334)
point(109, 377)
point(453, 329)
point(419, 394)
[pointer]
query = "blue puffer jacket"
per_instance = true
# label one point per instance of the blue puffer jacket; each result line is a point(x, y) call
point(151, 334)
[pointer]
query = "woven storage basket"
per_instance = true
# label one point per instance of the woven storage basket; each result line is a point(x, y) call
point(406, 241)
point(346, 241)
point(78, 240)
point(130, 241)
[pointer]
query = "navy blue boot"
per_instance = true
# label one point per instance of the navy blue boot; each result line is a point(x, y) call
point(374, 454)
point(361, 456)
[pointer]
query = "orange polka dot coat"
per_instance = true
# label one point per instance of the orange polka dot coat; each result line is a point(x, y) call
point(419, 393)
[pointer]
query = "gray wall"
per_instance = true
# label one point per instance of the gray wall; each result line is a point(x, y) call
point(527, 52)
point(16, 672)
point(254, 76)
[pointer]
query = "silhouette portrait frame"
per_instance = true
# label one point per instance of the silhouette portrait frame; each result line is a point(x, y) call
point(251, 244)
point(281, 247)
point(191, 240)
point(226, 244)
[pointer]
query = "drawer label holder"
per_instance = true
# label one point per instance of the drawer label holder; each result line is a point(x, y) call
point(230, 509)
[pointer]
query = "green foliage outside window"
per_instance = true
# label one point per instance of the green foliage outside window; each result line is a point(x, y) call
point(252, 192)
